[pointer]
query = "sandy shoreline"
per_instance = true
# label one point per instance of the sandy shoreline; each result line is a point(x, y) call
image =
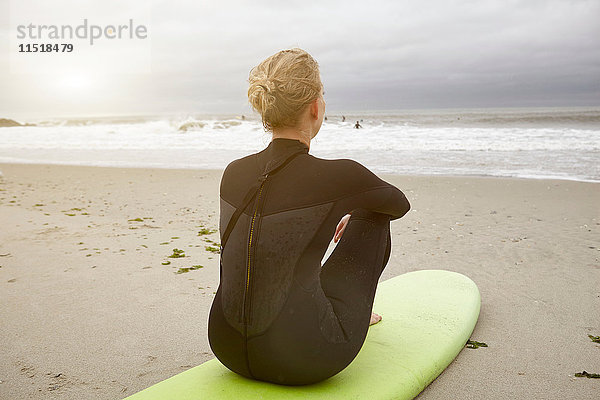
point(89, 311)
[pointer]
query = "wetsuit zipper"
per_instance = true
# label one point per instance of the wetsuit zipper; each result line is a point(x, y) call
point(253, 237)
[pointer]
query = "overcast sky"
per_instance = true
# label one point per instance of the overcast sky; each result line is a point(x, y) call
point(373, 55)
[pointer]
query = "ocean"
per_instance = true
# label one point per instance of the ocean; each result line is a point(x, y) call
point(558, 143)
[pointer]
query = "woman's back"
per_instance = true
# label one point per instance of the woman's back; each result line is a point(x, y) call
point(271, 315)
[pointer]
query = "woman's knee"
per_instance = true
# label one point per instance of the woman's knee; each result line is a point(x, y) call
point(362, 213)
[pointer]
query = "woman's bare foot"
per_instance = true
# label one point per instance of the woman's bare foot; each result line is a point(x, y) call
point(375, 318)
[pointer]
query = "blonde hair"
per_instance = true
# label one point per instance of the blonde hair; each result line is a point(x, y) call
point(282, 86)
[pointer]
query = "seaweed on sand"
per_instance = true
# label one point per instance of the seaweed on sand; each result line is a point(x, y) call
point(472, 344)
point(177, 253)
point(188, 269)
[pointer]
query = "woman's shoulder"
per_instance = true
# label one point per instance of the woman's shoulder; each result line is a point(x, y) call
point(241, 164)
point(237, 172)
point(347, 172)
point(345, 167)
point(345, 163)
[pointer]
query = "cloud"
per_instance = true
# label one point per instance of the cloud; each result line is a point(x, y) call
point(373, 55)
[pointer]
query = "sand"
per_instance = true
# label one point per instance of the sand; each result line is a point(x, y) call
point(89, 311)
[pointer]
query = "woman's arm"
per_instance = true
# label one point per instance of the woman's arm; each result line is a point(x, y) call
point(366, 190)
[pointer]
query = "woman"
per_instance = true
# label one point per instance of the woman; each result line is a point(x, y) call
point(278, 316)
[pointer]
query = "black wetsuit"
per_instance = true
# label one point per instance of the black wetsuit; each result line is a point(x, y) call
point(277, 315)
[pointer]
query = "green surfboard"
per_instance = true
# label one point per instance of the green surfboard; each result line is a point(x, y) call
point(428, 316)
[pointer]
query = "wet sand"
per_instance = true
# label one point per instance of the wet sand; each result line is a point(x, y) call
point(89, 311)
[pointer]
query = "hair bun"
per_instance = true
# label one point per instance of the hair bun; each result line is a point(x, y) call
point(261, 94)
point(267, 85)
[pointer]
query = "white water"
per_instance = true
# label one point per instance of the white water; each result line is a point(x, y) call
point(561, 144)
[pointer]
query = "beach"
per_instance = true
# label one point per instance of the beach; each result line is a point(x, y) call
point(94, 308)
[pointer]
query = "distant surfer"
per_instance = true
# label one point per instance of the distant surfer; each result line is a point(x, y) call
point(357, 125)
point(343, 118)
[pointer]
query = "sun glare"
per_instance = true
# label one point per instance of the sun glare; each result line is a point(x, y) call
point(74, 83)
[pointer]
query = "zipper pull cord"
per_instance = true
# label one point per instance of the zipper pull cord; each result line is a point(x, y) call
point(247, 199)
point(271, 167)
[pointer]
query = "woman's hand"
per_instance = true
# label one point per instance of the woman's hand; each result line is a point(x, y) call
point(340, 228)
